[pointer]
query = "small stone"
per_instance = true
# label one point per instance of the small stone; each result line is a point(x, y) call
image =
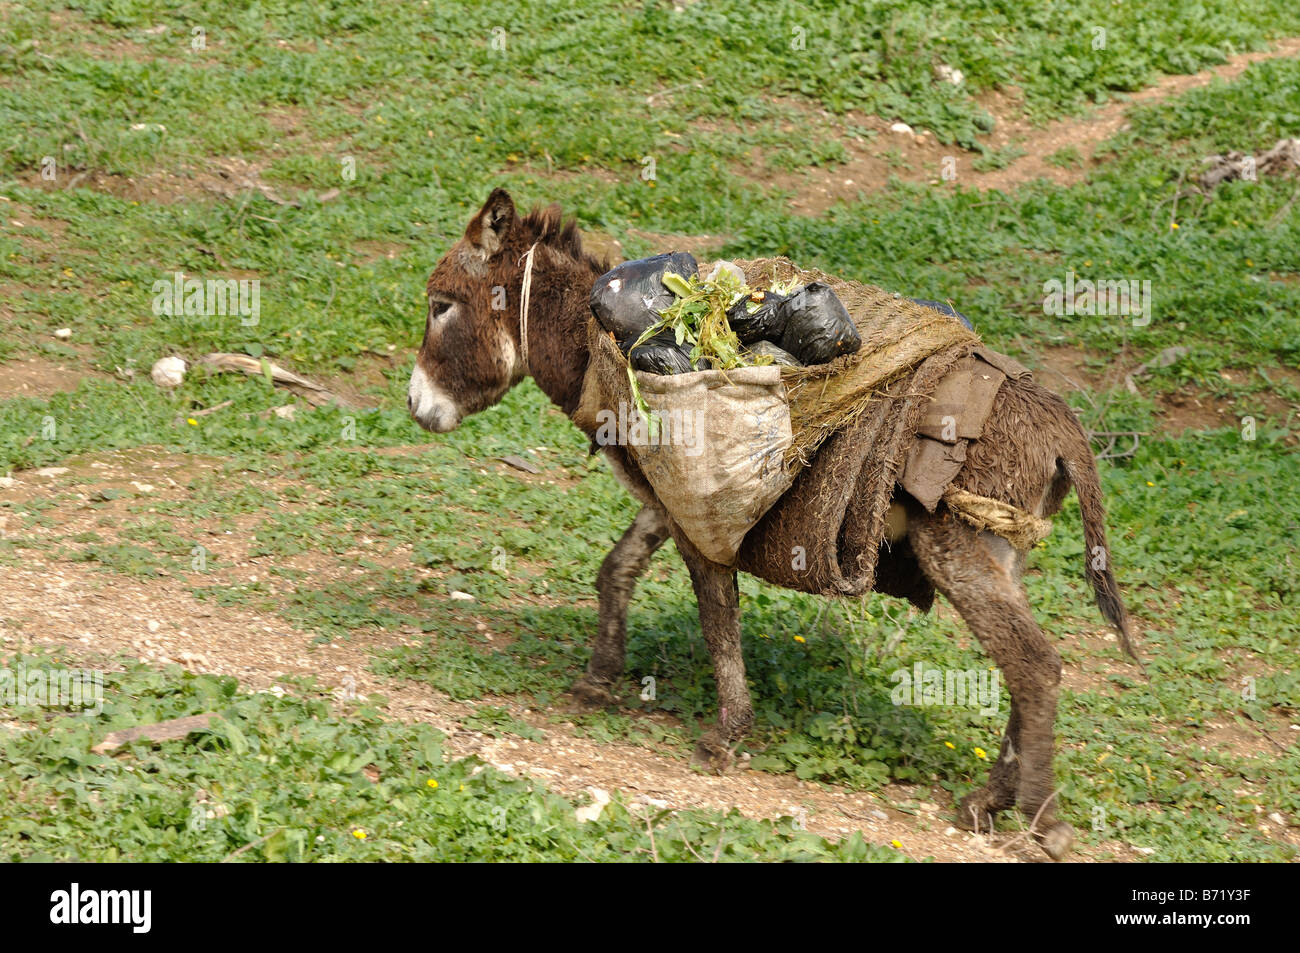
point(901, 127)
point(63, 333)
point(949, 74)
point(461, 596)
point(600, 797)
point(152, 625)
point(168, 371)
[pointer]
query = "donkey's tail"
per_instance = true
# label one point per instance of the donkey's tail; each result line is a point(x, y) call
point(1081, 468)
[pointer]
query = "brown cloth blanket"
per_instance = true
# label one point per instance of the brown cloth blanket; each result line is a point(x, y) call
point(856, 422)
point(825, 534)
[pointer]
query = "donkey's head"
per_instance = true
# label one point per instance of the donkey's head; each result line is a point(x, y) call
point(471, 353)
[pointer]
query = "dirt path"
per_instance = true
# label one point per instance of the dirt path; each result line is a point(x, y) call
point(916, 156)
point(90, 615)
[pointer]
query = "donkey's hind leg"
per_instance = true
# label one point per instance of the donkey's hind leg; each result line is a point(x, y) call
point(618, 575)
point(979, 573)
point(978, 810)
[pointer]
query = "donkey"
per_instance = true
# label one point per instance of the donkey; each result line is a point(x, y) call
point(1031, 452)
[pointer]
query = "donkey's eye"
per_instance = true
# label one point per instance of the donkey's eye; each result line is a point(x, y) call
point(438, 308)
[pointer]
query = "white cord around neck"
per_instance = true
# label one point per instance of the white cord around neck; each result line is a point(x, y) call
point(524, 292)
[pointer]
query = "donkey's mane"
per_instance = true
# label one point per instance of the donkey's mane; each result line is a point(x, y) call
point(547, 225)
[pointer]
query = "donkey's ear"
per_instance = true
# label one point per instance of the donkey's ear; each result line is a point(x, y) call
point(488, 229)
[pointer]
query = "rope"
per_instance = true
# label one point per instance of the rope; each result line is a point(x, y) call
point(524, 294)
point(1021, 529)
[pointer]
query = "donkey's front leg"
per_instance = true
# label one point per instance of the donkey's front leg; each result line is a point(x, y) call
point(719, 602)
point(618, 575)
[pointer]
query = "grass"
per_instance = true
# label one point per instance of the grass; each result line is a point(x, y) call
point(1202, 525)
point(279, 777)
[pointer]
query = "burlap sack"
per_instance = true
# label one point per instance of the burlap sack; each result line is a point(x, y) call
point(717, 457)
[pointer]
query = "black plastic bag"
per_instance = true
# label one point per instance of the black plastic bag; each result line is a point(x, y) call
point(818, 328)
point(660, 359)
point(764, 323)
point(944, 309)
point(627, 299)
point(661, 354)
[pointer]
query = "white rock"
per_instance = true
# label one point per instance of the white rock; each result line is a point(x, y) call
point(600, 797)
point(949, 74)
point(285, 411)
point(900, 127)
point(51, 471)
point(63, 333)
point(153, 625)
point(461, 596)
point(1277, 818)
point(168, 371)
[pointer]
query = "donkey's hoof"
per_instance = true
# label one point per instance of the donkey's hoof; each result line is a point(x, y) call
point(974, 815)
point(1056, 840)
point(712, 756)
point(588, 694)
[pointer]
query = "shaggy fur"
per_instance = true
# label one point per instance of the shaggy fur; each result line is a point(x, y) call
point(1031, 452)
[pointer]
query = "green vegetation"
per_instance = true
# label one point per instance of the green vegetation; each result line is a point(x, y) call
point(283, 779)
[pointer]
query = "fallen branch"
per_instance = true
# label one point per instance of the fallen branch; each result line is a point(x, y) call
point(211, 410)
point(1284, 157)
point(313, 393)
point(1167, 357)
point(1111, 436)
point(162, 731)
point(249, 846)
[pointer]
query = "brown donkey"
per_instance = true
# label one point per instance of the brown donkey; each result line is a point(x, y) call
point(1031, 452)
